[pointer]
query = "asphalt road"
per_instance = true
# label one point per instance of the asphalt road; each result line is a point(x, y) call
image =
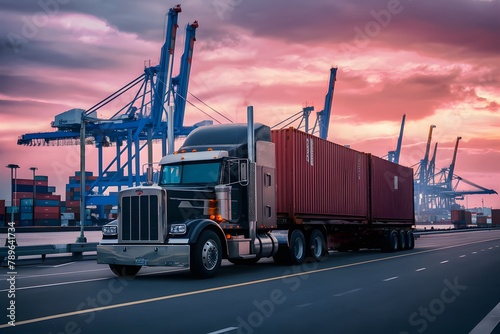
point(450, 283)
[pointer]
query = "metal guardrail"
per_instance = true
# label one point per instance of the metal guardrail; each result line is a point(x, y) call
point(76, 249)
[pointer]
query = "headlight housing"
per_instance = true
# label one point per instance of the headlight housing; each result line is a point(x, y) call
point(110, 230)
point(178, 229)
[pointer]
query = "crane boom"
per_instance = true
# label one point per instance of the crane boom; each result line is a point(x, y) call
point(324, 115)
point(452, 166)
point(182, 80)
point(165, 66)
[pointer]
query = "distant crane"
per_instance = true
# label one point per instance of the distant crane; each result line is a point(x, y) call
point(322, 117)
point(435, 193)
point(136, 124)
point(394, 155)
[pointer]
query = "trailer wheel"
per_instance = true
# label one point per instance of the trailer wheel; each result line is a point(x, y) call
point(297, 247)
point(410, 244)
point(317, 246)
point(124, 270)
point(391, 242)
point(206, 255)
point(402, 240)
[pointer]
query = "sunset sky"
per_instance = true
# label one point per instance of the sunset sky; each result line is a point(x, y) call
point(436, 61)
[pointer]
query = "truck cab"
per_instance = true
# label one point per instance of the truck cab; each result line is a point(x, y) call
point(202, 209)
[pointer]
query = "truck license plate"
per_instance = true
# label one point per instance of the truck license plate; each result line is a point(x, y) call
point(140, 261)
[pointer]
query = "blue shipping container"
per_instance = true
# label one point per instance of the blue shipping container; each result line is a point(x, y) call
point(41, 178)
point(51, 189)
point(26, 215)
point(48, 222)
point(26, 209)
point(26, 222)
point(26, 201)
point(47, 202)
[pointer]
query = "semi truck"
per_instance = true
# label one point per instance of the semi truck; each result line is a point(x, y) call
point(243, 192)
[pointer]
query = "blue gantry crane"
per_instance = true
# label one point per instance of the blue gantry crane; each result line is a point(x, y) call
point(136, 124)
point(436, 193)
point(322, 122)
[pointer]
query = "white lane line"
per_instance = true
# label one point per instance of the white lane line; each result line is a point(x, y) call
point(57, 266)
point(224, 330)
point(462, 255)
point(490, 248)
point(346, 292)
point(58, 274)
point(390, 278)
point(488, 324)
point(474, 252)
point(82, 281)
point(304, 305)
point(420, 269)
point(446, 261)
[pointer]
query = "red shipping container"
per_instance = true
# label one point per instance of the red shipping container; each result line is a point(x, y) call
point(391, 191)
point(72, 204)
point(47, 209)
point(318, 179)
point(19, 195)
point(2, 204)
point(44, 215)
point(73, 209)
point(24, 182)
point(42, 183)
point(495, 217)
point(48, 196)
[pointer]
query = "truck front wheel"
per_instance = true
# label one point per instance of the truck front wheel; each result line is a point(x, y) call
point(124, 270)
point(297, 247)
point(206, 255)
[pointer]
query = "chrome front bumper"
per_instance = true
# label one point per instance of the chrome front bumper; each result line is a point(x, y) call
point(144, 255)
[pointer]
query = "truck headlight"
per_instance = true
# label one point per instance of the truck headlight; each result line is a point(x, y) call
point(177, 228)
point(110, 230)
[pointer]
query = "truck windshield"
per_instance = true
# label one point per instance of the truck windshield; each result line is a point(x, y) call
point(199, 173)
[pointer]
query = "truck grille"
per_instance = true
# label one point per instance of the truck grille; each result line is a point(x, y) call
point(140, 216)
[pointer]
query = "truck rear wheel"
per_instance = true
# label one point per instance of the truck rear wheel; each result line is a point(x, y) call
point(410, 240)
point(402, 240)
point(391, 242)
point(206, 255)
point(121, 270)
point(317, 246)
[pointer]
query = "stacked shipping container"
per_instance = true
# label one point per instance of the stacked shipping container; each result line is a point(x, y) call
point(35, 203)
point(495, 217)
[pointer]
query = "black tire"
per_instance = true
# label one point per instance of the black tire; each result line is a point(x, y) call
point(410, 240)
point(402, 240)
point(206, 255)
point(121, 270)
point(316, 248)
point(297, 247)
point(391, 242)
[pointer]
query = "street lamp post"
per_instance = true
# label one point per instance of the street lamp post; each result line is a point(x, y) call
point(82, 238)
point(34, 169)
point(13, 193)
